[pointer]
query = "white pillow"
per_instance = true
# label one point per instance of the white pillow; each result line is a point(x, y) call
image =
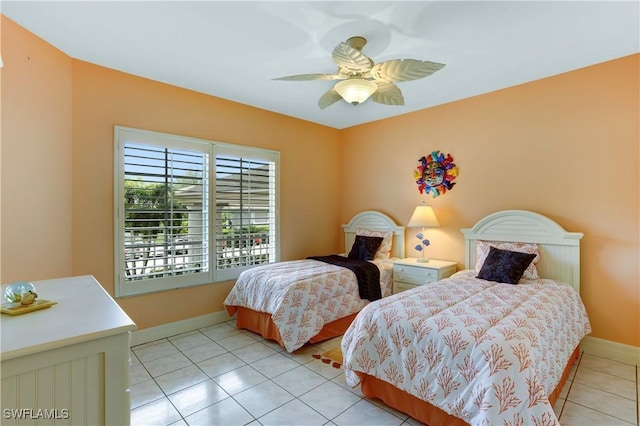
point(482, 250)
point(387, 239)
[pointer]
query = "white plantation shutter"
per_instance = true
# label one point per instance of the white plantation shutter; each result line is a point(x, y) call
point(189, 211)
point(245, 211)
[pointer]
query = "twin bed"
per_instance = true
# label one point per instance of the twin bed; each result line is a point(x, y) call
point(466, 350)
point(462, 350)
point(302, 301)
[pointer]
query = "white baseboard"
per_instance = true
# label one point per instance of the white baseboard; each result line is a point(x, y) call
point(611, 350)
point(150, 334)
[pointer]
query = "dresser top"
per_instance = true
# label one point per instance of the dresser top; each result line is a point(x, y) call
point(84, 311)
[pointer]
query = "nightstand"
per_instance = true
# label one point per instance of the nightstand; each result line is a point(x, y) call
point(409, 273)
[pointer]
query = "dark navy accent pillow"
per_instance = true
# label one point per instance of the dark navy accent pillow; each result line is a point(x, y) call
point(365, 248)
point(505, 266)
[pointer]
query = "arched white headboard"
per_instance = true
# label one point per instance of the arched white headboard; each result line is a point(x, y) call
point(374, 221)
point(559, 249)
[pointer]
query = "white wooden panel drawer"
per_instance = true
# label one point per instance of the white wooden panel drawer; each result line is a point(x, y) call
point(409, 273)
point(414, 275)
point(399, 287)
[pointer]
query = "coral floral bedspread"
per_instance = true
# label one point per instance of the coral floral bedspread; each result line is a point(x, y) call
point(302, 295)
point(485, 352)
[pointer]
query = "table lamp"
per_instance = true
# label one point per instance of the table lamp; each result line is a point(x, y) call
point(423, 216)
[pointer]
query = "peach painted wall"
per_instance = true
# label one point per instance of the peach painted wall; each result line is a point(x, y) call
point(57, 168)
point(565, 146)
point(36, 158)
point(103, 97)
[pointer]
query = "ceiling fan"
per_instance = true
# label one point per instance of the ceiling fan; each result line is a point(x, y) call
point(360, 78)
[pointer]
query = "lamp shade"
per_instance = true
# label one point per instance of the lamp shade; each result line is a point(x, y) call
point(355, 90)
point(423, 216)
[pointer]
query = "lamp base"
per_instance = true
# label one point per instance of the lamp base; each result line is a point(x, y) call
point(422, 260)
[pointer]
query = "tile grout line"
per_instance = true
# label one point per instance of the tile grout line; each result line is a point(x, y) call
point(200, 369)
point(614, 395)
point(294, 397)
point(326, 380)
point(570, 385)
point(579, 367)
point(166, 396)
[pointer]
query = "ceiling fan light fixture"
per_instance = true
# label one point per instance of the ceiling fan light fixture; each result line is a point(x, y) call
point(355, 90)
point(360, 78)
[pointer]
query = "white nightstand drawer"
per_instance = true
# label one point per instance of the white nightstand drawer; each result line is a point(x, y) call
point(420, 277)
point(399, 287)
point(409, 273)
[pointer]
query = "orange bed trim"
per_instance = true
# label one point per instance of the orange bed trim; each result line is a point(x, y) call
point(261, 323)
point(373, 387)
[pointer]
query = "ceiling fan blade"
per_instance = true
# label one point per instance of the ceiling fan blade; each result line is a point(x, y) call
point(404, 69)
point(307, 77)
point(329, 98)
point(388, 94)
point(346, 57)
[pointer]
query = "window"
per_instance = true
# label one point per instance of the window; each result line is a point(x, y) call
point(190, 211)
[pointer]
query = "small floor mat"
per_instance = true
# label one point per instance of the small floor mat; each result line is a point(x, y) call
point(332, 356)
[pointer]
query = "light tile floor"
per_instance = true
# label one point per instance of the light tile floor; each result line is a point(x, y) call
point(220, 375)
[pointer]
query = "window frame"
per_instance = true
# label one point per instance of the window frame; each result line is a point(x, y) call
point(122, 135)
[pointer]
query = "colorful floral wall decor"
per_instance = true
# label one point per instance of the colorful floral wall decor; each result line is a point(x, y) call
point(435, 173)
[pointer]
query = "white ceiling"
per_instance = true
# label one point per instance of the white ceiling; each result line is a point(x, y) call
point(234, 49)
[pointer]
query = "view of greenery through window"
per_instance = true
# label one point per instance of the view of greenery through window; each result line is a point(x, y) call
point(154, 220)
point(190, 212)
point(157, 228)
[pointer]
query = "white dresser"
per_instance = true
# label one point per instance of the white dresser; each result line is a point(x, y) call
point(409, 273)
point(67, 364)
